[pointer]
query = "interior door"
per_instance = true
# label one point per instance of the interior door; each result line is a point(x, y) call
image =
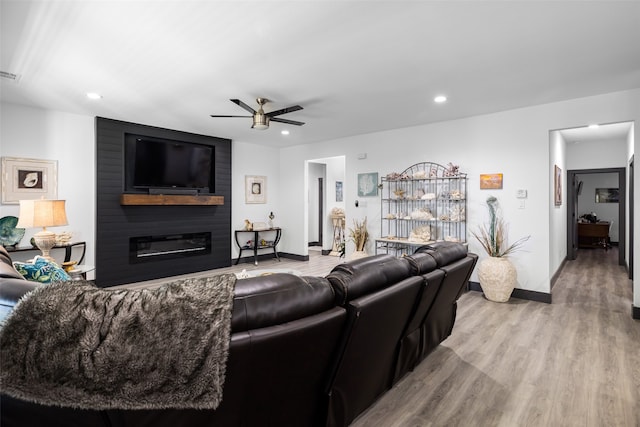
point(572, 219)
point(631, 225)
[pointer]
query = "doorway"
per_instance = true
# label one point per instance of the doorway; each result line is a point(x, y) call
point(325, 192)
point(577, 180)
point(317, 174)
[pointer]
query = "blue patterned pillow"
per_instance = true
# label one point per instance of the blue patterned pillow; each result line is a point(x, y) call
point(41, 270)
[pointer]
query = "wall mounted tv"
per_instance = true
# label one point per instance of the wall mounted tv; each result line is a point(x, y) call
point(164, 166)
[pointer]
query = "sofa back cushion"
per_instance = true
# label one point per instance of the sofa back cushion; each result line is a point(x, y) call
point(278, 298)
point(422, 263)
point(444, 252)
point(366, 275)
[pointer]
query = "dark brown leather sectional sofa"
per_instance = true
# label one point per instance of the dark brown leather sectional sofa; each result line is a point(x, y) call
point(310, 351)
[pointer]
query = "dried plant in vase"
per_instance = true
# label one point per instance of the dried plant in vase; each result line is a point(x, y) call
point(497, 274)
point(359, 234)
point(492, 237)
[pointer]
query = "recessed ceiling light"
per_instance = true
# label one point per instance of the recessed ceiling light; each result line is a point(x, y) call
point(440, 99)
point(93, 95)
point(285, 132)
point(595, 126)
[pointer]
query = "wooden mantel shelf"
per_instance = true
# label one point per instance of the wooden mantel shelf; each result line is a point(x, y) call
point(168, 199)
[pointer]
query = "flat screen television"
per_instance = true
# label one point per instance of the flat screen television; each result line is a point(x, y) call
point(168, 166)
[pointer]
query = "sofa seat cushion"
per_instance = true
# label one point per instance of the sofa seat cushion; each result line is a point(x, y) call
point(41, 270)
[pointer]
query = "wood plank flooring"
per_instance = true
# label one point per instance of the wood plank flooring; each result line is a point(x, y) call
point(575, 362)
point(318, 265)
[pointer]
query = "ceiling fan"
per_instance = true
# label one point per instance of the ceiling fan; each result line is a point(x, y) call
point(260, 118)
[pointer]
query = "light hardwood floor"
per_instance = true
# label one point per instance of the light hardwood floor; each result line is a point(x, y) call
point(318, 265)
point(575, 362)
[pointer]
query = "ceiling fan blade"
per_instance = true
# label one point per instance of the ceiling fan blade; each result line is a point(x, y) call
point(243, 105)
point(284, 111)
point(217, 115)
point(289, 122)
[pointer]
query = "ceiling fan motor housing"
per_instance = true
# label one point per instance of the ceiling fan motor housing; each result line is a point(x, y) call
point(260, 121)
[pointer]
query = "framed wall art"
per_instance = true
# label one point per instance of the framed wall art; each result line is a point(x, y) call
point(490, 181)
point(607, 195)
point(255, 189)
point(368, 184)
point(339, 191)
point(557, 185)
point(28, 179)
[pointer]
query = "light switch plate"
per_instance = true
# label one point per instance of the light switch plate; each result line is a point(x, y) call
point(521, 194)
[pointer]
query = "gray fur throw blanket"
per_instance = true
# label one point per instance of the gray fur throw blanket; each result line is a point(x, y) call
point(75, 345)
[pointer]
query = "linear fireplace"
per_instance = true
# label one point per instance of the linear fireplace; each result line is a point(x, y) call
point(162, 247)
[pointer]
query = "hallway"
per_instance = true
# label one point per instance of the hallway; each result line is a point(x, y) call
point(575, 362)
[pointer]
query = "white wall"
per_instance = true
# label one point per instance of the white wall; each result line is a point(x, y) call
point(557, 213)
point(597, 154)
point(253, 159)
point(69, 139)
point(515, 143)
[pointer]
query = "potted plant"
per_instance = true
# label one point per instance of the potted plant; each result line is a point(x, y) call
point(497, 274)
point(359, 236)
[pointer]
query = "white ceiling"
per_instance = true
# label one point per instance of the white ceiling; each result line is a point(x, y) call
point(602, 133)
point(355, 66)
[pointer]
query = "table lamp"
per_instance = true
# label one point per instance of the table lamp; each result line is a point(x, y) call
point(42, 213)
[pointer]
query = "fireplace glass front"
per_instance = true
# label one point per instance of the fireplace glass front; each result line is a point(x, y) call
point(171, 246)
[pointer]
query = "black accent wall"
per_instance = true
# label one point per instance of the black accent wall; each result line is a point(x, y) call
point(116, 223)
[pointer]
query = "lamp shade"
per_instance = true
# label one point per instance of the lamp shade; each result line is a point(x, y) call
point(42, 213)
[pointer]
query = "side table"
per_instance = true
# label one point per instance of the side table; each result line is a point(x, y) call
point(80, 272)
point(68, 248)
point(257, 242)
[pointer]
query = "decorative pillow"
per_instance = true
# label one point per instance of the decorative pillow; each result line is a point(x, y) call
point(41, 270)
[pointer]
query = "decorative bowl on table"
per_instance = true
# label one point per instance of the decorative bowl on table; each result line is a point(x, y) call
point(9, 234)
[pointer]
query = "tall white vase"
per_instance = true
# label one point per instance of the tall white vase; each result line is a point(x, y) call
point(498, 278)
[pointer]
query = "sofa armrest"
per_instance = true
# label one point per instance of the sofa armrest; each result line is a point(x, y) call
point(11, 290)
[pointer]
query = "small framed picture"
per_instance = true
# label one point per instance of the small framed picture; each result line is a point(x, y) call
point(491, 181)
point(28, 179)
point(255, 189)
point(368, 184)
point(557, 185)
point(338, 191)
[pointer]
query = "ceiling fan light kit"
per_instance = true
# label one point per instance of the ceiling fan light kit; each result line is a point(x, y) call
point(261, 119)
